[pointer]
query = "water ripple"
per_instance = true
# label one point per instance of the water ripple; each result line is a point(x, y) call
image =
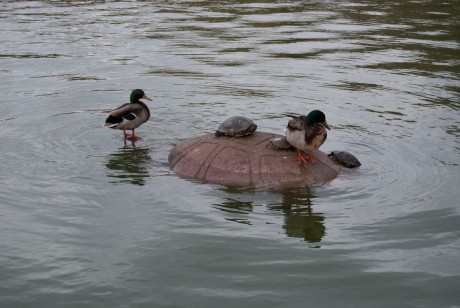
point(91, 220)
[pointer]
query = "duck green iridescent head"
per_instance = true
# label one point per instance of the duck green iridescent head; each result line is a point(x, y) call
point(136, 95)
point(316, 116)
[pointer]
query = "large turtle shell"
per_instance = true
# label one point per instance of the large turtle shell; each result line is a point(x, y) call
point(251, 161)
point(345, 159)
point(236, 126)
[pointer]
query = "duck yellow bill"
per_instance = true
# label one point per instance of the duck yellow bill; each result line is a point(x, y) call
point(146, 97)
point(325, 124)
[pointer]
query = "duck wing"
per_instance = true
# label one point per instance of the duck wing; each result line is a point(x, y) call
point(296, 123)
point(126, 109)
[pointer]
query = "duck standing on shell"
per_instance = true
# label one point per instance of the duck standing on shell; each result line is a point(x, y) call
point(307, 133)
point(131, 115)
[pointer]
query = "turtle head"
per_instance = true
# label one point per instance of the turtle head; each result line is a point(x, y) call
point(316, 116)
point(136, 95)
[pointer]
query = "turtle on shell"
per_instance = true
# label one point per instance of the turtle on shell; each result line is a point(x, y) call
point(280, 143)
point(345, 159)
point(236, 126)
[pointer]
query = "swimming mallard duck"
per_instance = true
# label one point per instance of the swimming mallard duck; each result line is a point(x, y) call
point(307, 133)
point(130, 115)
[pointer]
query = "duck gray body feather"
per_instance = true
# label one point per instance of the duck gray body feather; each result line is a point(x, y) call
point(128, 116)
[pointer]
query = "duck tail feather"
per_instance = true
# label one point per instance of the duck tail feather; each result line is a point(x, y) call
point(111, 125)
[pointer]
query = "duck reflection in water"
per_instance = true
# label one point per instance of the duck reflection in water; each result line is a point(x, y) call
point(296, 206)
point(129, 165)
point(299, 218)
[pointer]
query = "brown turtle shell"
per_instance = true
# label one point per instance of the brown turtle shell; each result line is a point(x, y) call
point(250, 161)
point(236, 126)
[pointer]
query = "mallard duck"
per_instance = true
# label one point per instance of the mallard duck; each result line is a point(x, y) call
point(307, 133)
point(131, 115)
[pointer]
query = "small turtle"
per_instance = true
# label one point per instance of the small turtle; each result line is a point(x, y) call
point(236, 126)
point(280, 143)
point(345, 159)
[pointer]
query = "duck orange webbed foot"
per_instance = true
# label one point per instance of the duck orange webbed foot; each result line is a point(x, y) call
point(312, 158)
point(304, 160)
point(132, 137)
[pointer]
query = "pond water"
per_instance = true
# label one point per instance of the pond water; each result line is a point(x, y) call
point(88, 220)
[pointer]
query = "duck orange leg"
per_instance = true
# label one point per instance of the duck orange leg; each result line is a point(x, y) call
point(302, 159)
point(312, 158)
point(133, 136)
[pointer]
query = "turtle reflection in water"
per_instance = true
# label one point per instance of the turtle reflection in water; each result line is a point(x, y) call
point(236, 126)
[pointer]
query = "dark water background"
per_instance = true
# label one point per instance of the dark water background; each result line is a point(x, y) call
point(89, 221)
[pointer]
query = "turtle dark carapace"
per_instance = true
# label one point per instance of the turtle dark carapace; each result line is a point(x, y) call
point(345, 159)
point(236, 126)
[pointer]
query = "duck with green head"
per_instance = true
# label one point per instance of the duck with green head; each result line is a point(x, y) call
point(131, 115)
point(307, 133)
